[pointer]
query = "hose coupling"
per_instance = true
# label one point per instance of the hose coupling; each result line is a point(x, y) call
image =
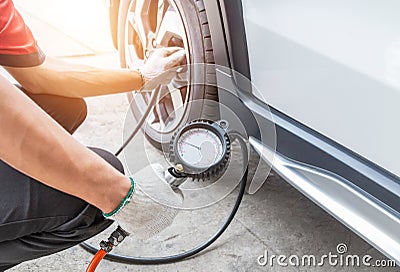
point(115, 239)
point(175, 176)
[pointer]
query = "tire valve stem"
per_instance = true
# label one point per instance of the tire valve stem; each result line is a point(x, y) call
point(115, 239)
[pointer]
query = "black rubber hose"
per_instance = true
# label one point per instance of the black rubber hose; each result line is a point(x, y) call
point(198, 249)
point(152, 102)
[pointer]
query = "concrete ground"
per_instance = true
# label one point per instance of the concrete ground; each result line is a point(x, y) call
point(276, 219)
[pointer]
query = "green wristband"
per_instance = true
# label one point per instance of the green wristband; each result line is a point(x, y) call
point(124, 201)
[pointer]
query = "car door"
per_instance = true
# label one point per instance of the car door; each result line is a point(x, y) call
point(333, 66)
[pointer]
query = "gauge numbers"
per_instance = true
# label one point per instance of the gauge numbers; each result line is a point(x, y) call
point(200, 148)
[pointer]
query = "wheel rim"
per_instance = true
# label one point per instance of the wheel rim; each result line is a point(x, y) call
point(153, 24)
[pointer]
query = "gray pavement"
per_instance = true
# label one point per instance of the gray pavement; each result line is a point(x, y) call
point(276, 219)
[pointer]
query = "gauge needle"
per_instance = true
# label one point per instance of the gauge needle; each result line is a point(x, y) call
point(192, 145)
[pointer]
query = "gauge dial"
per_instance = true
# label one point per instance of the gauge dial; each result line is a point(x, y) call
point(200, 148)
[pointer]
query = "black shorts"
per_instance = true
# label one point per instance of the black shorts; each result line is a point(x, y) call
point(36, 220)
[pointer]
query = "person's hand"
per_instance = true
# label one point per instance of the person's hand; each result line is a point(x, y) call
point(158, 68)
point(143, 217)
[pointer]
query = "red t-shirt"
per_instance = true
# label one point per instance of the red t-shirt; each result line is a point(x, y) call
point(18, 47)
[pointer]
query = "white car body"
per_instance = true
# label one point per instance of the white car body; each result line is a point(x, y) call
point(333, 66)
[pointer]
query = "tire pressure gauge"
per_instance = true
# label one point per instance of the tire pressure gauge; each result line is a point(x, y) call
point(202, 148)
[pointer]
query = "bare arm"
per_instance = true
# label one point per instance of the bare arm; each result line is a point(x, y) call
point(32, 142)
point(63, 78)
point(35, 144)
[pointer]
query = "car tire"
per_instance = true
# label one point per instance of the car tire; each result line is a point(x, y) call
point(199, 49)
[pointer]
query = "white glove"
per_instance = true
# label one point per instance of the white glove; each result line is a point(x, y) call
point(143, 217)
point(157, 69)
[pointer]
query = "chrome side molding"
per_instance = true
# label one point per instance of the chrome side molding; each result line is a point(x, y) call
point(371, 219)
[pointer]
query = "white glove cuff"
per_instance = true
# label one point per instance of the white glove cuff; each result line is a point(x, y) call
point(124, 201)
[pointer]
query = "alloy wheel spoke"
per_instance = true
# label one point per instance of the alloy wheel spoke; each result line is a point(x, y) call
point(133, 28)
point(131, 56)
point(160, 114)
point(169, 29)
point(139, 18)
point(176, 98)
point(163, 6)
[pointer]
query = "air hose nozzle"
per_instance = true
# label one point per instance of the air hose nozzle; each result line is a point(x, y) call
point(106, 246)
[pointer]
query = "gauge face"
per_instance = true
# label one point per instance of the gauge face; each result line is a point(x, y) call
point(200, 148)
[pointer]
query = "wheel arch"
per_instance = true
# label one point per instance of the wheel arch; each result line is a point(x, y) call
point(230, 47)
point(230, 50)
